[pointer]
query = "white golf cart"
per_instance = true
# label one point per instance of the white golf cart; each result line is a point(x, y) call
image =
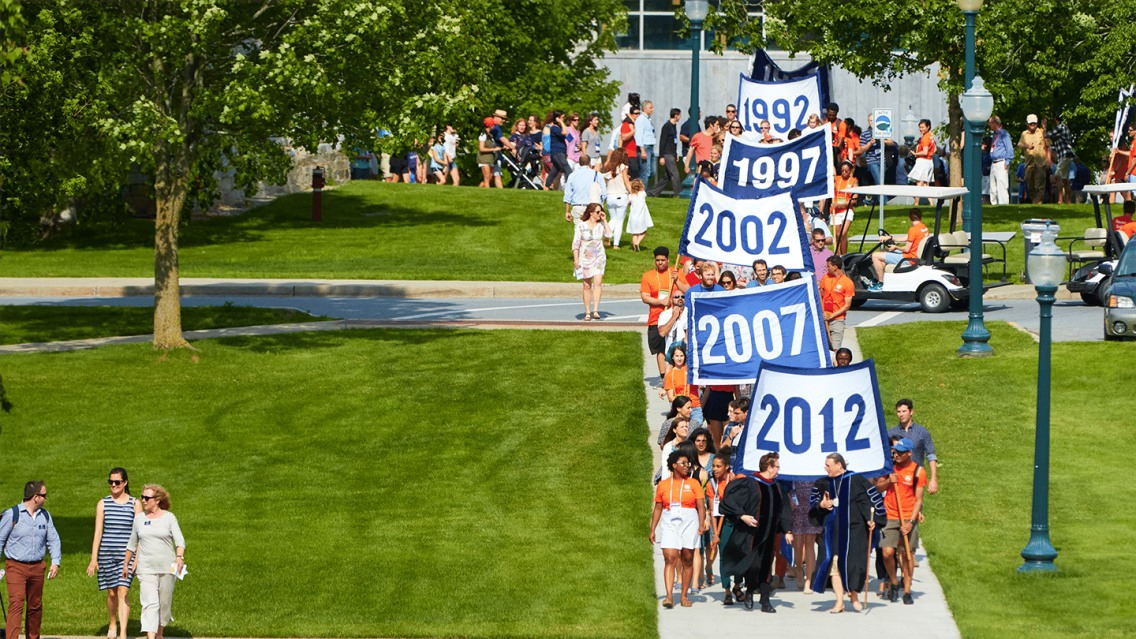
point(939, 276)
point(1092, 263)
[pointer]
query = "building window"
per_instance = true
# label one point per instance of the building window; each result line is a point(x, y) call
point(651, 25)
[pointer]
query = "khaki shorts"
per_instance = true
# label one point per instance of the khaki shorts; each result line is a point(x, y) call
point(893, 539)
point(1063, 168)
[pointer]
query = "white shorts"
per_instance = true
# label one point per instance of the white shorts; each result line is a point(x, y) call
point(679, 529)
point(841, 218)
point(923, 171)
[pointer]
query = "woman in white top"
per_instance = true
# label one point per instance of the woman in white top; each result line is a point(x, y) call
point(640, 218)
point(618, 187)
point(157, 539)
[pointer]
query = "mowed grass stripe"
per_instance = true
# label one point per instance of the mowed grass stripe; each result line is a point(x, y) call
point(374, 230)
point(418, 483)
point(982, 414)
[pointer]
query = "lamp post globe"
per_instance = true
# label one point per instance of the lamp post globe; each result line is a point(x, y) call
point(910, 126)
point(1045, 264)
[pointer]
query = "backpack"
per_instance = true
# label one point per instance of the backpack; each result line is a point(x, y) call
point(16, 517)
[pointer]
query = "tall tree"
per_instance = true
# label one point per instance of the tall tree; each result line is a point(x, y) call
point(179, 87)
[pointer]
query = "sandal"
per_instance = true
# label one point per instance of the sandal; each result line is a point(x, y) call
point(739, 594)
point(596, 315)
point(588, 316)
point(685, 603)
point(668, 604)
point(729, 600)
point(709, 578)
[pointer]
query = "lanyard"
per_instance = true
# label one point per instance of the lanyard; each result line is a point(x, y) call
point(659, 280)
point(671, 490)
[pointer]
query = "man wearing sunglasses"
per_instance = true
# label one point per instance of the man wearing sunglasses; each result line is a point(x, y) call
point(26, 535)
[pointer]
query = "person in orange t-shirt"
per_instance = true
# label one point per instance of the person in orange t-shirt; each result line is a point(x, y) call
point(675, 381)
point(896, 254)
point(842, 212)
point(680, 508)
point(655, 291)
point(904, 504)
point(1129, 230)
point(836, 293)
point(839, 129)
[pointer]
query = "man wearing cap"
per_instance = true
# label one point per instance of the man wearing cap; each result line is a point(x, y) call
point(839, 129)
point(904, 504)
point(1001, 152)
point(498, 118)
point(578, 189)
point(1032, 141)
point(655, 291)
point(924, 452)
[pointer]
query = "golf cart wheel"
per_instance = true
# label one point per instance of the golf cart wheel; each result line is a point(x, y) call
point(857, 302)
point(934, 298)
point(1091, 299)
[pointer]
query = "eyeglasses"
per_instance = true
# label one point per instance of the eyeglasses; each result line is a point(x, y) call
point(115, 482)
point(731, 110)
point(149, 497)
point(683, 462)
point(764, 128)
point(42, 495)
point(735, 128)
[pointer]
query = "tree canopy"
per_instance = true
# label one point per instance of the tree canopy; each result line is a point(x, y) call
point(1035, 56)
point(181, 88)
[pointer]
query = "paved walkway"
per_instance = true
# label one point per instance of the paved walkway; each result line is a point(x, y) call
point(136, 286)
point(798, 614)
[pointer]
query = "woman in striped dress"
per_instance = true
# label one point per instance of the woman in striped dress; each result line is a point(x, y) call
point(114, 517)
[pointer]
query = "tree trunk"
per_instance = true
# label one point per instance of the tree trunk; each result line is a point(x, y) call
point(955, 142)
point(170, 186)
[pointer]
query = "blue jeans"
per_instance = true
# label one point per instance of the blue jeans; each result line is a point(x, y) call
point(647, 167)
point(696, 415)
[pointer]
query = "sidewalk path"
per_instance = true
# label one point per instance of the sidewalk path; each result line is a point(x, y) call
point(191, 287)
point(798, 614)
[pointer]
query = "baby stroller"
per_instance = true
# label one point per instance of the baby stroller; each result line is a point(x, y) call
point(525, 169)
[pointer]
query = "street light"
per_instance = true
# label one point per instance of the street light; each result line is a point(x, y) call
point(696, 11)
point(977, 105)
point(1046, 265)
point(910, 126)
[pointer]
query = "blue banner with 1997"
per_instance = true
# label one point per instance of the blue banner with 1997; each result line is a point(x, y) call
point(802, 166)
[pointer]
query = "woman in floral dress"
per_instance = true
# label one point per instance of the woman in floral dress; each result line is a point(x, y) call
point(589, 257)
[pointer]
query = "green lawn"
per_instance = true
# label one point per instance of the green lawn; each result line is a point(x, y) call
point(373, 230)
point(982, 415)
point(362, 483)
point(24, 324)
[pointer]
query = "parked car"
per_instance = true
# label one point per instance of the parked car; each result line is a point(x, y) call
point(1120, 309)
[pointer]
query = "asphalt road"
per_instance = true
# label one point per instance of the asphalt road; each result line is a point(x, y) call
point(1072, 320)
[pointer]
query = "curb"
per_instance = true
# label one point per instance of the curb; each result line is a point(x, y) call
point(410, 289)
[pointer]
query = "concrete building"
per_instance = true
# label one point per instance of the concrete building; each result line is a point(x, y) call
point(654, 62)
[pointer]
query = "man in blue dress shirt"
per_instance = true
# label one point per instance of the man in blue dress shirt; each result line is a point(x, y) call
point(26, 535)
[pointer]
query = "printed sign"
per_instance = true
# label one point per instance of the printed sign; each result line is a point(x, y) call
point(738, 231)
point(803, 166)
point(730, 333)
point(786, 105)
point(882, 124)
point(806, 414)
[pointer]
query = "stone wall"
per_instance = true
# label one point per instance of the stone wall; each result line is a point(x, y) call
point(335, 164)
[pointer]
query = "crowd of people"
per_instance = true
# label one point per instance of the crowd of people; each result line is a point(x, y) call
point(133, 538)
point(756, 530)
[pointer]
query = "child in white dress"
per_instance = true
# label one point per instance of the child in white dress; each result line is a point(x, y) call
point(639, 218)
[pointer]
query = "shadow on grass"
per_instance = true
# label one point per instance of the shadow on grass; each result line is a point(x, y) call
point(342, 209)
point(334, 339)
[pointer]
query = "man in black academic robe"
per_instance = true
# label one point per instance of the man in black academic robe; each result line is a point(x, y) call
point(759, 512)
point(852, 501)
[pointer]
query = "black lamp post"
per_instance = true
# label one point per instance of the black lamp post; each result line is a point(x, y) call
point(977, 105)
